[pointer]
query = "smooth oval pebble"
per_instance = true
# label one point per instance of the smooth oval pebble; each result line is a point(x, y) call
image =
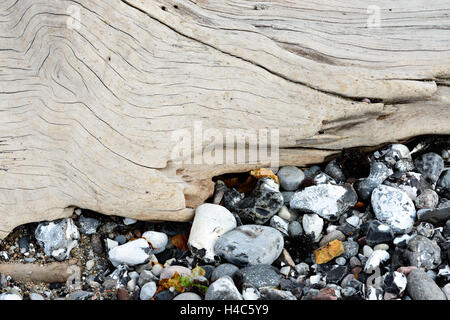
point(250, 244)
point(131, 253)
point(290, 177)
point(148, 291)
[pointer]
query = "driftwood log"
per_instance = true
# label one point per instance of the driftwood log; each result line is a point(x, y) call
point(92, 91)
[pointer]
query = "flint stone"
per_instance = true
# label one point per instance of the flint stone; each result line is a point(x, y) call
point(260, 275)
point(57, 238)
point(88, 225)
point(158, 240)
point(423, 253)
point(378, 232)
point(131, 253)
point(223, 289)
point(210, 222)
point(262, 204)
point(274, 294)
point(226, 269)
point(327, 200)
point(250, 244)
point(313, 225)
point(421, 287)
point(290, 178)
point(378, 173)
point(430, 165)
point(394, 208)
point(335, 171)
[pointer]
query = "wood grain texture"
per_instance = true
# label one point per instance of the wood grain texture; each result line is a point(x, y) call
point(87, 113)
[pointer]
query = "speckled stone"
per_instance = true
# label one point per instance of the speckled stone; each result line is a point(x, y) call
point(423, 252)
point(394, 208)
point(430, 165)
point(223, 289)
point(421, 287)
point(327, 200)
point(250, 244)
point(260, 275)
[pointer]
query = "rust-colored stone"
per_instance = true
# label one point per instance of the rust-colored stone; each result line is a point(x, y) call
point(263, 173)
point(329, 251)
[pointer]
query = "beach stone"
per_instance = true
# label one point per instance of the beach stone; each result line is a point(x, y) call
point(334, 170)
point(260, 275)
point(351, 249)
point(290, 178)
point(444, 180)
point(131, 253)
point(375, 260)
point(395, 282)
point(36, 296)
point(295, 229)
point(10, 296)
point(287, 195)
point(223, 289)
point(323, 178)
point(57, 238)
point(421, 287)
point(250, 244)
point(392, 153)
point(158, 240)
point(333, 235)
point(267, 293)
point(169, 272)
point(231, 198)
point(428, 199)
point(187, 296)
point(80, 295)
point(378, 173)
point(280, 224)
point(88, 225)
point(210, 222)
point(413, 183)
point(312, 171)
point(327, 200)
point(225, 269)
point(435, 216)
point(446, 290)
point(148, 290)
point(262, 203)
point(287, 214)
point(329, 251)
point(394, 208)
point(430, 165)
point(313, 225)
point(378, 232)
point(336, 274)
point(423, 252)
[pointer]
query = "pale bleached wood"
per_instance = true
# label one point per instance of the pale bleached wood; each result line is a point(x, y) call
point(87, 115)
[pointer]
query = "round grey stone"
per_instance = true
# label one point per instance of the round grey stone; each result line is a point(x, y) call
point(421, 287)
point(187, 296)
point(148, 290)
point(351, 249)
point(290, 177)
point(250, 244)
point(295, 229)
point(428, 199)
point(225, 269)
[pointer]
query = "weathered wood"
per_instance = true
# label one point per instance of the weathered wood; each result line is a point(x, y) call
point(30, 272)
point(89, 103)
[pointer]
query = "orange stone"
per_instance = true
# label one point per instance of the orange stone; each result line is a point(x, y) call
point(329, 251)
point(263, 173)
